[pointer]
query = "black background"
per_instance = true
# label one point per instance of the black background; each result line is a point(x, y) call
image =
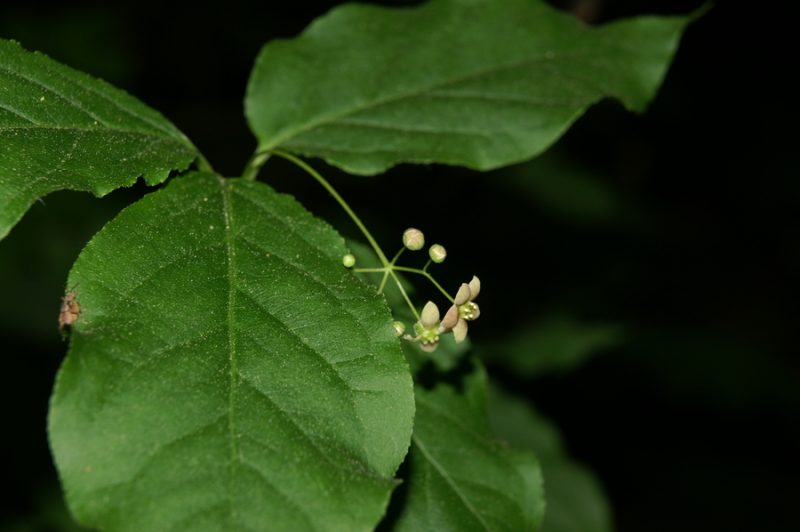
point(691, 423)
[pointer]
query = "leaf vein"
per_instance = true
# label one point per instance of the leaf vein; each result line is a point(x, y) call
point(324, 287)
point(104, 129)
point(227, 214)
point(303, 342)
point(446, 477)
point(16, 112)
point(73, 102)
point(337, 465)
point(118, 105)
point(352, 122)
point(378, 102)
point(550, 102)
point(300, 509)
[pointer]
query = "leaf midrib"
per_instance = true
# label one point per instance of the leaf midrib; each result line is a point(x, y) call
point(408, 95)
point(227, 214)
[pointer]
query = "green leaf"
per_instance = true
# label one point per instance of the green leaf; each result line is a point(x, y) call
point(460, 477)
point(61, 129)
point(575, 499)
point(556, 344)
point(226, 371)
point(480, 83)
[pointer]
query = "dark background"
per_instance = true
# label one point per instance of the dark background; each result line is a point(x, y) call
point(683, 233)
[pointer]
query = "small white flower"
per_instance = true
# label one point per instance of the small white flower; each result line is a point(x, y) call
point(464, 309)
point(428, 329)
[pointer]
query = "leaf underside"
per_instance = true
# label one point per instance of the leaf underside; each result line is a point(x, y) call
point(61, 129)
point(480, 83)
point(460, 477)
point(226, 372)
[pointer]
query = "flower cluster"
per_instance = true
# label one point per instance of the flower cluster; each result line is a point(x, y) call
point(464, 308)
point(430, 326)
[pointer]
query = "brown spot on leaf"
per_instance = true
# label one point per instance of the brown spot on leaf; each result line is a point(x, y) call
point(70, 310)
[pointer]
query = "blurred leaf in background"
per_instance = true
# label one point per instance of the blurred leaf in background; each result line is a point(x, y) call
point(458, 476)
point(575, 499)
point(567, 190)
point(554, 344)
point(73, 33)
point(49, 514)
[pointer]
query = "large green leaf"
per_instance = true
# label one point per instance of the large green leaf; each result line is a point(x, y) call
point(575, 499)
point(226, 372)
point(61, 129)
point(478, 83)
point(460, 477)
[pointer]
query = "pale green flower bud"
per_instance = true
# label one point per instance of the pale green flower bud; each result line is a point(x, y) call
point(463, 295)
point(460, 331)
point(474, 287)
point(349, 261)
point(437, 253)
point(427, 328)
point(413, 239)
point(430, 315)
point(399, 328)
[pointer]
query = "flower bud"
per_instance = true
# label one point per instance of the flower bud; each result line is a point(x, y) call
point(399, 328)
point(430, 315)
point(460, 331)
point(474, 287)
point(349, 261)
point(437, 253)
point(413, 239)
point(463, 295)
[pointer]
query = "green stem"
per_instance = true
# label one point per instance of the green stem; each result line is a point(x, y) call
point(251, 172)
point(383, 281)
point(403, 292)
point(387, 272)
point(427, 276)
point(203, 165)
point(321, 180)
point(251, 169)
point(389, 268)
point(397, 256)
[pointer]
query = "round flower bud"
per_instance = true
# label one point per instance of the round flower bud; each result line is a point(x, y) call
point(399, 328)
point(413, 239)
point(349, 261)
point(437, 253)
